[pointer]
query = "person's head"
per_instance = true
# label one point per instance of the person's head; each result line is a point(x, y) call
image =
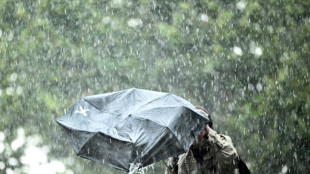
point(206, 113)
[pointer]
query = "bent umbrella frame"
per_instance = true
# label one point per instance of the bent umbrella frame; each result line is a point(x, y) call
point(131, 128)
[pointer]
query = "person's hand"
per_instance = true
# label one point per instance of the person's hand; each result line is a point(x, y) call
point(202, 134)
point(207, 128)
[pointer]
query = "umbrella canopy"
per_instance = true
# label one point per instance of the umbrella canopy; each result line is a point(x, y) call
point(131, 128)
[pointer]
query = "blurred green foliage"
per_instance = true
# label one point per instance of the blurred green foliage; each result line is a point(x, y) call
point(247, 62)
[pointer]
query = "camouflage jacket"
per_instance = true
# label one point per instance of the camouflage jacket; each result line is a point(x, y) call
point(220, 157)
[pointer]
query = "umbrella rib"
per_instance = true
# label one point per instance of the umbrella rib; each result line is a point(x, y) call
point(95, 133)
point(134, 116)
point(90, 103)
point(175, 136)
point(153, 100)
point(74, 129)
point(177, 143)
point(156, 123)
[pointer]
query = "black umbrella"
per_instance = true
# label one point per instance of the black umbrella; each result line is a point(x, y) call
point(132, 128)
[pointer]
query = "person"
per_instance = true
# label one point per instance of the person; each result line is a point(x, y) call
point(211, 153)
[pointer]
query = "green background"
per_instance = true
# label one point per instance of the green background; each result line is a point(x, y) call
point(247, 62)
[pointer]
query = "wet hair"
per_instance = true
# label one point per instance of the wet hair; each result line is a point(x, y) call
point(208, 114)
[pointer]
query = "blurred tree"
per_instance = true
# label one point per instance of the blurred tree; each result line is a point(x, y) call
point(245, 61)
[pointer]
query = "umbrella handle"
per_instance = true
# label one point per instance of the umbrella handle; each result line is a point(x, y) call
point(169, 167)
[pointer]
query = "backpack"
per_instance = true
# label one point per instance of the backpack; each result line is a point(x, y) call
point(243, 169)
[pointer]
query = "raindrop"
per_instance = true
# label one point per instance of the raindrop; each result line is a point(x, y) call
point(198, 121)
point(11, 36)
point(1, 147)
point(13, 161)
point(9, 171)
point(258, 51)
point(270, 29)
point(238, 51)
point(284, 169)
point(204, 18)
point(19, 90)
point(114, 131)
point(9, 91)
point(58, 166)
point(2, 165)
point(1, 33)
point(106, 20)
point(259, 87)
point(117, 3)
point(18, 142)
point(135, 22)
point(241, 5)
point(13, 77)
point(68, 171)
point(250, 87)
point(2, 136)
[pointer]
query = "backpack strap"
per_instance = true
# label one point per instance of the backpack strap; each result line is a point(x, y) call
point(243, 169)
point(175, 166)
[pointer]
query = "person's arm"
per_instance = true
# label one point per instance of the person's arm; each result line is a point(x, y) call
point(170, 167)
point(187, 164)
point(226, 155)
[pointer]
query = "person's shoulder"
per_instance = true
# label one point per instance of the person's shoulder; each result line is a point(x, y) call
point(226, 138)
point(185, 156)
